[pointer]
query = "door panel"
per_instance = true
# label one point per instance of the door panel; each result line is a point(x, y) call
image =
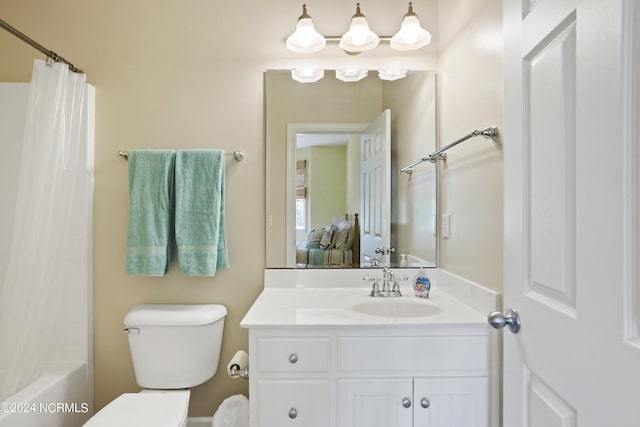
point(549, 97)
point(374, 403)
point(451, 402)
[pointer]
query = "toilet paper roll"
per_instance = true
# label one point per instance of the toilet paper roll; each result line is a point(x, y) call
point(239, 364)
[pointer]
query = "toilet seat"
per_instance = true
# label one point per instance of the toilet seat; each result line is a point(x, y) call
point(144, 409)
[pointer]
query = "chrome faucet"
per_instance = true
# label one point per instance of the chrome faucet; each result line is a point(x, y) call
point(390, 286)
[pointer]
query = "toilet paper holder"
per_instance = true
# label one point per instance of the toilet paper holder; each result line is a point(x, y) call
point(239, 365)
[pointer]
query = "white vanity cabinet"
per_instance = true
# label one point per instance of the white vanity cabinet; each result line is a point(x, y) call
point(419, 402)
point(383, 376)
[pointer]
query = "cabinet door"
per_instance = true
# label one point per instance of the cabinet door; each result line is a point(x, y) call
point(303, 403)
point(375, 402)
point(451, 402)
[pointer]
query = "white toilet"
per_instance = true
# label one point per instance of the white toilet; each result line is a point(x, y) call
point(173, 347)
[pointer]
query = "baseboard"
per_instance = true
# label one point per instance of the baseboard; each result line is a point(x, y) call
point(199, 421)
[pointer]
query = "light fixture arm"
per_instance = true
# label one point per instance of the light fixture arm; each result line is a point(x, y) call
point(410, 12)
point(358, 13)
point(304, 15)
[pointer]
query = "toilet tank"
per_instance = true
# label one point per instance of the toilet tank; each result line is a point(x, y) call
point(175, 346)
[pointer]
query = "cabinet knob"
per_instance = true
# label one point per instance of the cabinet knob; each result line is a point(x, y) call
point(293, 358)
point(424, 402)
point(406, 402)
point(293, 413)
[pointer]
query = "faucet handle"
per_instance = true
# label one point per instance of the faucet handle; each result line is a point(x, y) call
point(395, 288)
point(375, 289)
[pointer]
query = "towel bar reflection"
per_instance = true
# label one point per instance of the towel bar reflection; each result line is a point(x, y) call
point(490, 133)
point(238, 155)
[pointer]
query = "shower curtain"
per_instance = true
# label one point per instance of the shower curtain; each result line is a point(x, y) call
point(40, 259)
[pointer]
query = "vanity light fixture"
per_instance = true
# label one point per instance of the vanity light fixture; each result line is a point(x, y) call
point(392, 75)
point(305, 39)
point(359, 38)
point(411, 35)
point(351, 75)
point(308, 75)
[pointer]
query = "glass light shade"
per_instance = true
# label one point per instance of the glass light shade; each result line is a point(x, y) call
point(391, 75)
point(359, 38)
point(351, 75)
point(305, 39)
point(411, 35)
point(307, 75)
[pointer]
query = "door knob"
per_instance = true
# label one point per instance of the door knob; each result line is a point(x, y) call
point(406, 402)
point(499, 321)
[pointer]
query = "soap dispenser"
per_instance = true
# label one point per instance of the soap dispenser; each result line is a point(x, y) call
point(421, 284)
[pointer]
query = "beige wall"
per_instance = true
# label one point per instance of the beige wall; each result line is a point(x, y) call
point(413, 135)
point(327, 178)
point(470, 97)
point(171, 75)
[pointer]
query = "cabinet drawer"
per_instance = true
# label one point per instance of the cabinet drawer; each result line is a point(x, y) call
point(303, 403)
point(290, 355)
point(451, 355)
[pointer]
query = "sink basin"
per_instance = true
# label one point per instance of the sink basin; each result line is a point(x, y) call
point(396, 308)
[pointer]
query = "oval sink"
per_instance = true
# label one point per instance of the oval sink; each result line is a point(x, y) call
point(396, 308)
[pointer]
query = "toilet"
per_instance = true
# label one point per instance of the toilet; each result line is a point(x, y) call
point(173, 348)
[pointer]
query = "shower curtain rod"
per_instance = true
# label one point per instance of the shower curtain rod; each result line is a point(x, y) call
point(490, 133)
point(50, 54)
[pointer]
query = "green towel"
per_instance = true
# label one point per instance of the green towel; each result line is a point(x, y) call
point(200, 223)
point(150, 229)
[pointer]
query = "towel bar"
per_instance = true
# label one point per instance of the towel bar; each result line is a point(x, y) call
point(238, 155)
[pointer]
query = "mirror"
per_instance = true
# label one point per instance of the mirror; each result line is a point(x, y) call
point(321, 184)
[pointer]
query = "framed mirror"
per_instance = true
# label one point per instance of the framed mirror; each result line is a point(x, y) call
point(327, 205)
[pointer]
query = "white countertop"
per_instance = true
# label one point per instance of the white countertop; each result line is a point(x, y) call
point(335, 307)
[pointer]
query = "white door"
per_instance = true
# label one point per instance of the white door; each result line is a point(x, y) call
point(571, 213)
point(375, 187)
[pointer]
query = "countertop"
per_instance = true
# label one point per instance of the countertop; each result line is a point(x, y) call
point(354, 307)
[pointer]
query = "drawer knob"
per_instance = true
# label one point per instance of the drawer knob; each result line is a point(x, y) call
point(424, 402)
point(293, 358)
point(293, 413)
point(406, 402)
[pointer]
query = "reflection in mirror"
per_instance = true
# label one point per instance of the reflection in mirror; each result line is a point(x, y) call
point(326, 204)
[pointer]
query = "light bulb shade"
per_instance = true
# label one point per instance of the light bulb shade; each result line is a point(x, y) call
point(307, 75)
point(305, 39)
point(411, 35)
point(391, 75)
point(359, 38)
point(351, 75)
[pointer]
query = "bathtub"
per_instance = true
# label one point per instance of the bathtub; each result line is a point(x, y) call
point(61, 397)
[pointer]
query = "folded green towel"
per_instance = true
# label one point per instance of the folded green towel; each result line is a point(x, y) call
point(200, 223)
point(150, 229)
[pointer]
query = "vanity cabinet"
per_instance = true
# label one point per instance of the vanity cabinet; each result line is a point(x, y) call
point(419, 402)
point(404, 376)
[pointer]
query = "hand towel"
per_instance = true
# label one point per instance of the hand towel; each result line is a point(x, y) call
point(200, 212)
point(150, 228)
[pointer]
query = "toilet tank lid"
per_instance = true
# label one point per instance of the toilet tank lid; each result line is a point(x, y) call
point(174, 315)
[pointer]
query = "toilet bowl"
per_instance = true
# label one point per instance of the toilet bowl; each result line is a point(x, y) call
point(173, 348)
point(163, 409)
